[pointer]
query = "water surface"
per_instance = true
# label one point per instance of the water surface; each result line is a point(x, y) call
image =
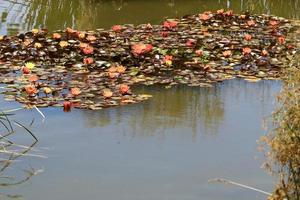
point(164, 148)
point(22, 15)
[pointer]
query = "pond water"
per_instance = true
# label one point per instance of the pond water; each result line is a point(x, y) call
point(165, 148)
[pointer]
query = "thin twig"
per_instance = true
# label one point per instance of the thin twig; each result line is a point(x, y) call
point(21, 146)
point(22, 154)
point(12, 110)
point(240, 185)
point(41, 113)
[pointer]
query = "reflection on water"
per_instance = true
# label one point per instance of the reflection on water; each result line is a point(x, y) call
point(169, 108)
point(165, 148)
point(20, 15)
point(12, 153)
point(200, 109)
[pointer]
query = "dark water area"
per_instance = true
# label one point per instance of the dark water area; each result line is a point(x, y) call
point(165, 148)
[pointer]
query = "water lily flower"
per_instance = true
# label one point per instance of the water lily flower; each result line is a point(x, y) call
point(83, 45)
point(35, 31)
point(47, 90)
point(88, 50)
point(251, 22)
point(281, 39)
point(165, 34)
point(273, 22)
point(199, 52)
point(63, 44)
point(80, 35)
point(168, 60)
point(91, 38)
point(229, 13)
point(205, 16)
point(227, 53)
point(30, 65)
point(88, 61)
point(170, 24)
point(56, 36)
point(242, 16)
point(124, 89)
point(25, 70)
point(75, 91)
point(31, 89)
point(107, 93)
point(112, 69)
point(117, 28)
point(33, 78)
point(27, 42)
point(70, 30)
point(113, 75)
point(38, 45)
point(246, 50)
point(112, 72)
point(220, 12)
point(190, 42)
point(290, 46)
point(168, 57)
point(140, 49)
point(120, 69)
point(67, 106)
point(248, 37)
point(149, 26)
point(264, 52)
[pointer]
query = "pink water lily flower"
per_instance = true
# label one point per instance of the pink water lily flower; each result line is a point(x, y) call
point(170, 24)
point(140, 49)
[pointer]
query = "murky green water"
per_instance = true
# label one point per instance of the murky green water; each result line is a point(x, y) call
point(165, 148)
point(22, 15)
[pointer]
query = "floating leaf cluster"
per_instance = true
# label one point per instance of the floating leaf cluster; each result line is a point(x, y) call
point(96, 69)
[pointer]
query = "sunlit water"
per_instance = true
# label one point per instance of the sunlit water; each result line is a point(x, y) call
point(164, 148)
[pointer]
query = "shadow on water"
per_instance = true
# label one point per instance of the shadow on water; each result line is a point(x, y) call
point(21, 15)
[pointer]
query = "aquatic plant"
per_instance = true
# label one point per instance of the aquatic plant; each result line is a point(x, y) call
point(283, 142)
point(198, 50)
point(117, 28)
point(11, 150)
